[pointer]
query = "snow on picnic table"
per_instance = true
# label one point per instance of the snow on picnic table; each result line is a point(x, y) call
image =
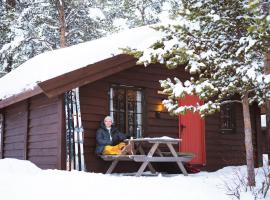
point(22, 180)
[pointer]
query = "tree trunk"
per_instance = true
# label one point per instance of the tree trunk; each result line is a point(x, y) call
point(10, 4)
point(62, 20)
point(248, 141)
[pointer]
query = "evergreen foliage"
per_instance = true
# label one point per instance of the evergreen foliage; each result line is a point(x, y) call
point(222, 43)
point(32, 27)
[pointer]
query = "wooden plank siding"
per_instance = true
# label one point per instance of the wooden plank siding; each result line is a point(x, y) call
point(95, 106)
point(43, 132)
point(224, 149)
point(221, 149)
point(33, 130)
point(15, 127)
point(2, 133)
point(61, 139)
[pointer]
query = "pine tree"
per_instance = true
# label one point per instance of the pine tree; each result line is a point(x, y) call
point(133, 12)
point(222, 43)
point(32, 27)
point(6, 15)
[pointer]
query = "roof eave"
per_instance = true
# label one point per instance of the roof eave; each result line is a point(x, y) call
point(20, 97)
point(86, 75)
point(76, 78)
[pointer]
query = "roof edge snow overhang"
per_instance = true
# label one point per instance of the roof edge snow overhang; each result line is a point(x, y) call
point(76, 78)
point(20, 97)
point(88, 74)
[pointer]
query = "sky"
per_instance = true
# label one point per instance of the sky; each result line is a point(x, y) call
point(22, 180)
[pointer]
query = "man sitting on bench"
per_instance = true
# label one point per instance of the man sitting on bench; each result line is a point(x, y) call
point(110, 140)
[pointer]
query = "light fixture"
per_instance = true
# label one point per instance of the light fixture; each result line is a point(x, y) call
point(157, 114)
point(159, 109)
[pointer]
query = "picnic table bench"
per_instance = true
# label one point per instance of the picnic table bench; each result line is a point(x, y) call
point(154, 155)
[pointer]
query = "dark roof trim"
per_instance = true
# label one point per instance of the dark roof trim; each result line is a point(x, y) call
point(88, 74)
point(21, 96)
point(76, 78)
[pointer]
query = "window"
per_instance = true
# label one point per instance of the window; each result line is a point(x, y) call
point(227, 118)
point(126, 109)
point(263, 121)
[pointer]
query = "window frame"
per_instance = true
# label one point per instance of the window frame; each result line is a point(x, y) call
point(142, 107)
point(263, 121)
point(230, 118)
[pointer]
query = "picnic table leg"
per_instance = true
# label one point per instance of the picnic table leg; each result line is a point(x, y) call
point(150, 166)
point(146, 162)
point(179, 163)
point(112, 166)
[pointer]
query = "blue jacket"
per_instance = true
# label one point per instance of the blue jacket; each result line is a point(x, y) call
point(103, 137)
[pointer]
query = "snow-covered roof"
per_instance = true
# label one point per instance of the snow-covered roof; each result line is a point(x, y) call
point(55, 63)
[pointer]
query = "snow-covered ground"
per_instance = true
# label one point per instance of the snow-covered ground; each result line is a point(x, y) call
point(22, 180)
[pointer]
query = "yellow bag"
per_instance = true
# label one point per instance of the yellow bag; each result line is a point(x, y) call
point(114, 150)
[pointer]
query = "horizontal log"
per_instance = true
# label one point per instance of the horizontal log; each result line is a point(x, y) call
point(13, 154)
point(122, 80)
point(41, 160)
point(15, 123)
point(14, 146)
point(43, 144)
point(42, 137)
point(92, 117)
point(94, 101)
point(42, 129)
point(91, 125)
point(13, 139)
point(90, 143)
point(162, 122)
point(21, 126)
point(163, 115)
point(95, 109)
point(157, 129)
point(44, 120)
point(47, 166)
point(44, 111)
point(42, 152)
point(16, 131)
point(16, 108)
point(42, 101)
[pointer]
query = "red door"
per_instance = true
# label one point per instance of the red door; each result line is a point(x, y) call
point(191, 131)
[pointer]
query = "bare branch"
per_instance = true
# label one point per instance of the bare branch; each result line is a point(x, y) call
point(230, 101)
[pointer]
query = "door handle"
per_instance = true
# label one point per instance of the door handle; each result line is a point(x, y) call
point(182, 126)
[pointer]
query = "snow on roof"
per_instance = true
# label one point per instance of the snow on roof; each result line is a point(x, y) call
point(55, 63)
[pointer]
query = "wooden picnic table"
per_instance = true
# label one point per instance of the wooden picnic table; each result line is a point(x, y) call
point(154, 154)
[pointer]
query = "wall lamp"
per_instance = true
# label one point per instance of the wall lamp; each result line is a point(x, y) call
point(159, 110)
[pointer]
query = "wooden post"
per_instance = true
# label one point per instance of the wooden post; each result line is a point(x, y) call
point(2, 126)
point(61, 144)
point(26, 133)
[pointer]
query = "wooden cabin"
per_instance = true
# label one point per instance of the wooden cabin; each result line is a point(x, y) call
point(33, 122)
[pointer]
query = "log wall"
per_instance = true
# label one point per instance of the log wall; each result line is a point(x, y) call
point(32, 129)
point(221, 149)
point(95, 106)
